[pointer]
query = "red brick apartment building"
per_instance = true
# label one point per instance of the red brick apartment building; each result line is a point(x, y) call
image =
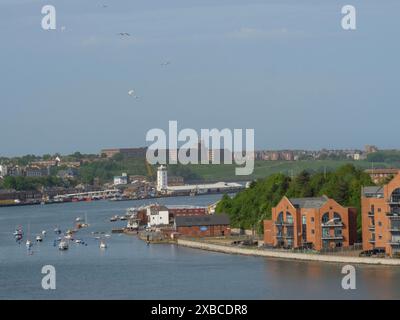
point(318, 223)
point(381, 217)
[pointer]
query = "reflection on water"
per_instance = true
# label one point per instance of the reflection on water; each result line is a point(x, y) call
point(130, 269)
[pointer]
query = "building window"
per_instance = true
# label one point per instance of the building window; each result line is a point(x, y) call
point(379, 209)
point(325, 217)
point(312, 231)
point(280, 217)
point(337, 218)
point(312, 219)
point(304, 219)
point(380, 223)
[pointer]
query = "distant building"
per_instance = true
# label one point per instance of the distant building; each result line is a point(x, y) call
point(287, 155)
point(318, 223)
point(138, 153)
point(380, 175)
point(175, 181)
point(157, 216)
point(35, 171)
point(15, 171)
point(176, 211)
point(219, 187)
point(370, 149)
point(3, 170)
point(162, 178)
point(69, 173)
point(203, 225)
point(45, 163)
point(121, 180)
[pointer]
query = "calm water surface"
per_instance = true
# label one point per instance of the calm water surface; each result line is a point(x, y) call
point(129, 269)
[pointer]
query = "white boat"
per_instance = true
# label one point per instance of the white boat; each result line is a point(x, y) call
point(79, 219)
point(114, 218)
point(57, 231)
point(63, 245)
point(79, 241)
point(44, 233)
point(103, 245)
point(28, 244)
point(68, 236)
point(39, 238)
point(122, 218)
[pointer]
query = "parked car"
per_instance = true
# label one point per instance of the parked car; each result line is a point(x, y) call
point(376, 252)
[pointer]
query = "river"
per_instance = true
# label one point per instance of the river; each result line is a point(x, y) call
point(129, 269)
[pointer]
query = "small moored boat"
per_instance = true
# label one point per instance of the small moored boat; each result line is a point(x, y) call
point(63, 245)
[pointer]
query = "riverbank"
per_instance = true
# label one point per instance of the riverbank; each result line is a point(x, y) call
point(286, 255)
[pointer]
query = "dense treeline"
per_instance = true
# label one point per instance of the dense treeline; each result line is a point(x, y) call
point(251, 206)
point(32, 183)
point(389, 156)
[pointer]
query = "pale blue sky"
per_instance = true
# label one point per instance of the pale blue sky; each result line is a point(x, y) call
point(285, 68)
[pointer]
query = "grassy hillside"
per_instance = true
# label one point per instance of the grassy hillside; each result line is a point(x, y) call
point(106, 169)
point(264, 169)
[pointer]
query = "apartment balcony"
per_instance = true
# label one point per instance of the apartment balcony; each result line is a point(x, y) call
point(371, 240)
point(332, 237)
point(285, 236)
point(394, 242)
point(371, 228)
point(328, 225)
point(284, 223)
point(393, 215)
point(394, 229)
point(371, 214)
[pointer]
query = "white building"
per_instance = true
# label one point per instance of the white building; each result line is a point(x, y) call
point(162, 178)
point(3, 170)
point(157, 216)
point(119, 180)
point(206, 188)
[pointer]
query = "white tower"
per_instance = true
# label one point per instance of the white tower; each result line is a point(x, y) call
point(162, 178)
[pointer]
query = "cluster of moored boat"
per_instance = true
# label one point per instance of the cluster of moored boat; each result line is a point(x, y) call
point(119, 218)
point(63, 240)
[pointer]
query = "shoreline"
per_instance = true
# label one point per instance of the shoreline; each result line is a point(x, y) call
point(287, 255)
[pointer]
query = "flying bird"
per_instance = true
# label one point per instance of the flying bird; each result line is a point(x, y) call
point(133, 94)
point(166, 63)
point(124, 34)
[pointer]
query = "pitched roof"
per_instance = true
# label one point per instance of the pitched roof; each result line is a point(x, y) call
point(309, 202)
point(372, 191)
point(207, 220)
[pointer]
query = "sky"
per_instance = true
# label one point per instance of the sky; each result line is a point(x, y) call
point(284, 68)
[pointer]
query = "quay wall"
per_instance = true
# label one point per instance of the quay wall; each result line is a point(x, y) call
point(287, 255)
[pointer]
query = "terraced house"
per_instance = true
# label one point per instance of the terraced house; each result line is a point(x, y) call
point(317, 223)
point(381, 217)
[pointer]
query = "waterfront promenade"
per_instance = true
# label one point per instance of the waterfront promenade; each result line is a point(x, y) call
point(286, 255)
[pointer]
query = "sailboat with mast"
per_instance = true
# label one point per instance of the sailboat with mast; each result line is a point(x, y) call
point(83, 224)
point(29, 243)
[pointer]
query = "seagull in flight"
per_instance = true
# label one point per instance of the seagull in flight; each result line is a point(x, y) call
point(124, 34)
point(166, 63)
point(133, 94)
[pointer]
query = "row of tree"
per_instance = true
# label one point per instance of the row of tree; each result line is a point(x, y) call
point(250, 207)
